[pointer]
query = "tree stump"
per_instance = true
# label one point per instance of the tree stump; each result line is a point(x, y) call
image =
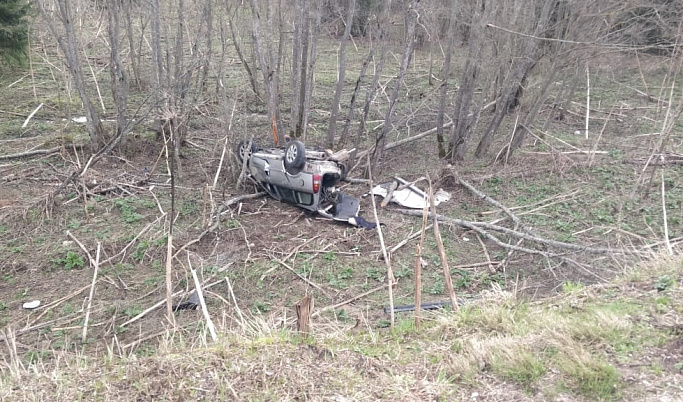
point(304, 308)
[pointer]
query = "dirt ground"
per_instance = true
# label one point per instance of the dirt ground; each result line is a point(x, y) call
point(265, 247)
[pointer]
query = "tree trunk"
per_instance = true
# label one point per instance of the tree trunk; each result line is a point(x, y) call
point(464, 117)
point(240, 55)
point(383, 25)
point(270, 79)
point(446, 73)
point(275, 72)
point(119, 77)
point(341, 75)
point(296, 66)
point(520, 70)
point(157, 64)
point(69, 46)
point(411, 19)
point(352, 105)
point(305, 34)
point(131, 44)
point(313, 57)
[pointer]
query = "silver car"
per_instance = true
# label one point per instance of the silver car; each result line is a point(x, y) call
point(304, 177)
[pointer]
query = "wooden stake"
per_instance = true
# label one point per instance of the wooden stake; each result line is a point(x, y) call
point(303, 315)
point(442, 252)
point(92, 293)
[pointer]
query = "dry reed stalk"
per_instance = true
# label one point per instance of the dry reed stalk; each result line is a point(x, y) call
point(92, 292)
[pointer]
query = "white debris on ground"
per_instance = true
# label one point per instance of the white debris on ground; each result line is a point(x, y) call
point(410, 196)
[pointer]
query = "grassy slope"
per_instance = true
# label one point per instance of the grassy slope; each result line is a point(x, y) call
point(609, 342)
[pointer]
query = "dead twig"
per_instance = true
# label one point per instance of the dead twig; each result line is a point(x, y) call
point(442, 252)
point(56, 303)
point(387, 260)
point(486, 253)
point(92, 293)
point(31, 115)
point(72, 237)
point(418, 266)
point(225, 146)
point(348, 301)
point(409, 238)
point(390, 193)
point(234, 300)
point(495, 203)
point(303, 278)
point(294, 251)
point(666, 223)
point(135, 239)
point(202, 303)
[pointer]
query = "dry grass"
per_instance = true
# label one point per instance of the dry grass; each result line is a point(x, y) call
point(588, 343)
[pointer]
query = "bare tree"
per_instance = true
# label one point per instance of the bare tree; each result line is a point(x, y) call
point(134, 55)
point(264, 52)
point(466, 112)
point(445, 75)
point(341, 74)
point(238, 49)
point(295, 80)
point(519, 70)
point(119, 77)
point(383, 22)
point(411, 20)
point(304, 32)
point(69, 45)
point(312, 58)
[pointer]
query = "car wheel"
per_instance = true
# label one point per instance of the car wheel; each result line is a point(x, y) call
point(295, 157)
point(243, 150)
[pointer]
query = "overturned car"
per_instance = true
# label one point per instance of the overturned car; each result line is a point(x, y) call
point(303, 177)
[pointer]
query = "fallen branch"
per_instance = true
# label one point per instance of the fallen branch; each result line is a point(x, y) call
point(135, 239)
point(35, 152)
point(390, 193)
point(495, 203)
point(351, 300)
point(409, 238)
point(28, 119)
point(90, 259)
point(219, 212)
point(480, 226)
point(303, 278)
point(294, 251)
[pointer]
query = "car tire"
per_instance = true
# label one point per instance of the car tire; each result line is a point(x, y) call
point(243, 151)
point(295, 157)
